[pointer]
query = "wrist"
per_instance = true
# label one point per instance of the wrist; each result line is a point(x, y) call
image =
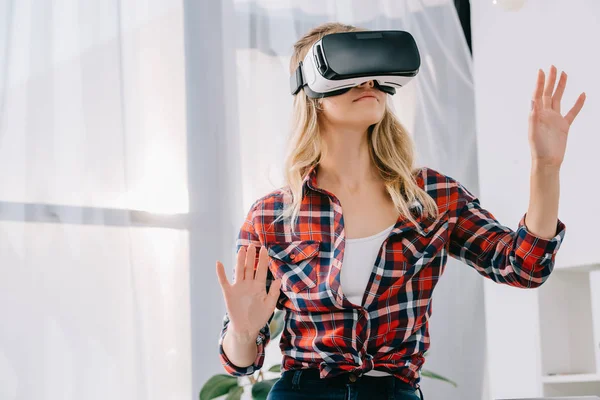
point(544, 168)
point(242, 336)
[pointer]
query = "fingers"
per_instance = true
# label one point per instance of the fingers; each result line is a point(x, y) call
point(560, 89)
point(246, 258)
point(543, 96)
point(549, 88)
point(221, 275)
point(261, 271)
point(239, 265)
point(250, 261)
point(539, 89)
point(570, 117)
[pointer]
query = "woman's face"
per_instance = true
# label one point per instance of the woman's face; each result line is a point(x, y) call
point(360, 107)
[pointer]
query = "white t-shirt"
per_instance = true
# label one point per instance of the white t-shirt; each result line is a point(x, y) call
point(359, 259)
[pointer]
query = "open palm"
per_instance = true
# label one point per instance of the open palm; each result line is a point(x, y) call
point(548, 129)
point(248, 304)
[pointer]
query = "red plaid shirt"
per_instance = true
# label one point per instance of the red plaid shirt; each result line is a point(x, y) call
point(389, 331)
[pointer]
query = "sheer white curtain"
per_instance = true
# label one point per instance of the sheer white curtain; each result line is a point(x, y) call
point(94, 296)
point(437, 108)
point(134, 135)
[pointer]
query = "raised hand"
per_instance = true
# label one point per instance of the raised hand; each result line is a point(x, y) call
point(548, 128)
point(248, 304)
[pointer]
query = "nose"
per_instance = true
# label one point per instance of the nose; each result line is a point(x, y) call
point(368, 84)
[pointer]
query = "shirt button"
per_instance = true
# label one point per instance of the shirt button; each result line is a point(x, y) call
point(352, 377)
point(292, 256)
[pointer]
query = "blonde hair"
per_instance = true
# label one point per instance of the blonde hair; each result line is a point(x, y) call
point(390, 146)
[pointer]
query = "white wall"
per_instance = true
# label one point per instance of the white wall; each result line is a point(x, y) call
point(508, 49)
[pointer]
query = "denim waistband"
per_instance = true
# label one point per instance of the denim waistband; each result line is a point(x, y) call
point(296, 377)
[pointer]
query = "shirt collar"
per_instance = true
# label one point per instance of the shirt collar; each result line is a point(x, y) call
point(310, 181)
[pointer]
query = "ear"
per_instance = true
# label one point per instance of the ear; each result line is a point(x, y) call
point(318, 104)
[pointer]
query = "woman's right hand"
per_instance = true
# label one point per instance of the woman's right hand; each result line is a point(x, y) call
point(248, 305)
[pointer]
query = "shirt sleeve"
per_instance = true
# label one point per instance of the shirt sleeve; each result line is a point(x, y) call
point(247, 235)
point(515, 258)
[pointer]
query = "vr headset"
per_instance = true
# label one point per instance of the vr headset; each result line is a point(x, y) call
point(340, 61)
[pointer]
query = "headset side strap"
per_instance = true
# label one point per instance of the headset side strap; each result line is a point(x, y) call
point(296, 81)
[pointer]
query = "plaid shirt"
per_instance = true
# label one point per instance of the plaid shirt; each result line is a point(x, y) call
point(389, 331)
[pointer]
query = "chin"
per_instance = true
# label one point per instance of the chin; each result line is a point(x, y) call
point(358, 119)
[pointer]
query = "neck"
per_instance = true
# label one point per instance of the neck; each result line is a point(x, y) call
point(346, 164)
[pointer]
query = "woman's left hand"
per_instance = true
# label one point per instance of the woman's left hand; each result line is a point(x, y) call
point(548, 129)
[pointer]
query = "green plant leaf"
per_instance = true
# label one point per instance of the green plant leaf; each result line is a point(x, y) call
point(261, 389)
point(433, 375)
point(275, 368)
point(276, 324)
point(235, 393)
point(217, 385)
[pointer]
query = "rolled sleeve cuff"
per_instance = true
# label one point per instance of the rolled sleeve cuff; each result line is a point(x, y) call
point(233, 369)
point(534, 251)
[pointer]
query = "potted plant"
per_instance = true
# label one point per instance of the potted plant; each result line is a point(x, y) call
point(232, 387)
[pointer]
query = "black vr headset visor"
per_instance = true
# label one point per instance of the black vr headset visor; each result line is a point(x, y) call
point(339, 61)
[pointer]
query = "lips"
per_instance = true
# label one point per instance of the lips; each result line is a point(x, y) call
point(366, 95)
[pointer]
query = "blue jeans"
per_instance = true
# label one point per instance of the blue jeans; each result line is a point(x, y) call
point(305, 384)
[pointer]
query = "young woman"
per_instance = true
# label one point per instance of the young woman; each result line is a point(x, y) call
point(356, 285)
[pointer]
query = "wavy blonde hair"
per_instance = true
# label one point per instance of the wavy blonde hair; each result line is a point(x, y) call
point(390, 146)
